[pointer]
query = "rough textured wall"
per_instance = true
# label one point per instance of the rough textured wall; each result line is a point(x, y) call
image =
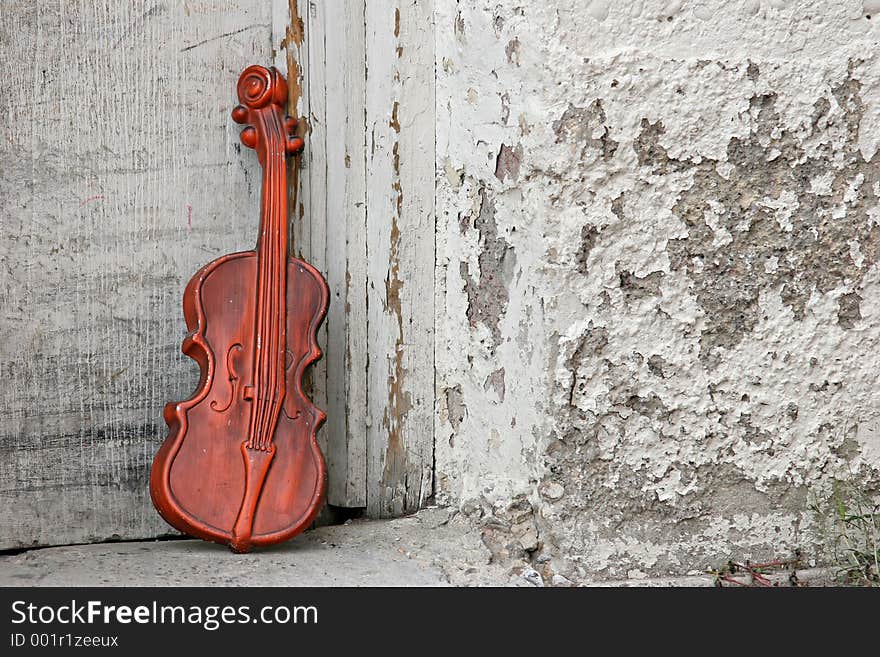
point(658, 233)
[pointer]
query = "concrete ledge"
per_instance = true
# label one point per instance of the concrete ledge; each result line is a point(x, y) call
point(422, 550)
point(434, 547)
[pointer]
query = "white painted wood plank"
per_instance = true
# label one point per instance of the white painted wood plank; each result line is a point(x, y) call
point(314, 224)
point(291, 44)
point(307, 199)
point(292, 57)
point(400, 254)
point(345, 87)
point(331, 232)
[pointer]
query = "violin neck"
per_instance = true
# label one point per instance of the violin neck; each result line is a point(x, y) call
point(272, 240)
point(270, 315)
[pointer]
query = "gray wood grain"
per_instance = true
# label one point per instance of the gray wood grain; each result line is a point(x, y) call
point(400, 117)
point(121, 176)
point(339, 79)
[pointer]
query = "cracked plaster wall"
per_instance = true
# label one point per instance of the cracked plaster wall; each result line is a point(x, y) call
point(658, 330)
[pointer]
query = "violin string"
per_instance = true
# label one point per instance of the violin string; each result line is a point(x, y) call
point(281, 358)
point(265, 256)
point(282, 283)
point(259, 384)
point(271, 290)
point(274, 162)
point(267, 286)
point(273, 310)
point(279, 318)
point(274, 320)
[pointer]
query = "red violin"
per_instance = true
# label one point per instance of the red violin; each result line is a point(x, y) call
point(241, 464)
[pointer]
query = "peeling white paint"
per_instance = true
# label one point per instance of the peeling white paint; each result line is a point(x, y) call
point(680, 411)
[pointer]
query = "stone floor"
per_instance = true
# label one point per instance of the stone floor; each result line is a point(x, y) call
point(435, 547)
point(428, 549)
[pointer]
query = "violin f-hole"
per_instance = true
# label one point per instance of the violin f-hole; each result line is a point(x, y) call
point(233, 377)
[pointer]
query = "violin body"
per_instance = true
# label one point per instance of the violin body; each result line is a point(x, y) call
point(241, 464)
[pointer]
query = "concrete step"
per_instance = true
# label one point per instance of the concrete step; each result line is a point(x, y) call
point(421, 550)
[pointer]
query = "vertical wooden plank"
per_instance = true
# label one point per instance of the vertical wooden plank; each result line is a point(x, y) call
point(331, 231)
point(122, 175)
point(345, 87)
point(369, 226)
point(291, 22)
point(400, 254)
point(300, 54)
point(314, 242)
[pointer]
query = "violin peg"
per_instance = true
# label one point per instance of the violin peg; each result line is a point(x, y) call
point(249, 137)
point(290, 124)
point(239, 114)
point(294, 145)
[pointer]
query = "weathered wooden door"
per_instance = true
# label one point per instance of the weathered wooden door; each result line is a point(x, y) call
point(121, 176)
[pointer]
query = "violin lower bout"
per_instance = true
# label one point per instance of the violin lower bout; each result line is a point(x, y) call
point(200, 477)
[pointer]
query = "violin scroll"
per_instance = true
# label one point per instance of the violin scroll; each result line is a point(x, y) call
point(262, 93)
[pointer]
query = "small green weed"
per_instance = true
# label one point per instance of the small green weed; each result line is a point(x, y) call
point(850, 522)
